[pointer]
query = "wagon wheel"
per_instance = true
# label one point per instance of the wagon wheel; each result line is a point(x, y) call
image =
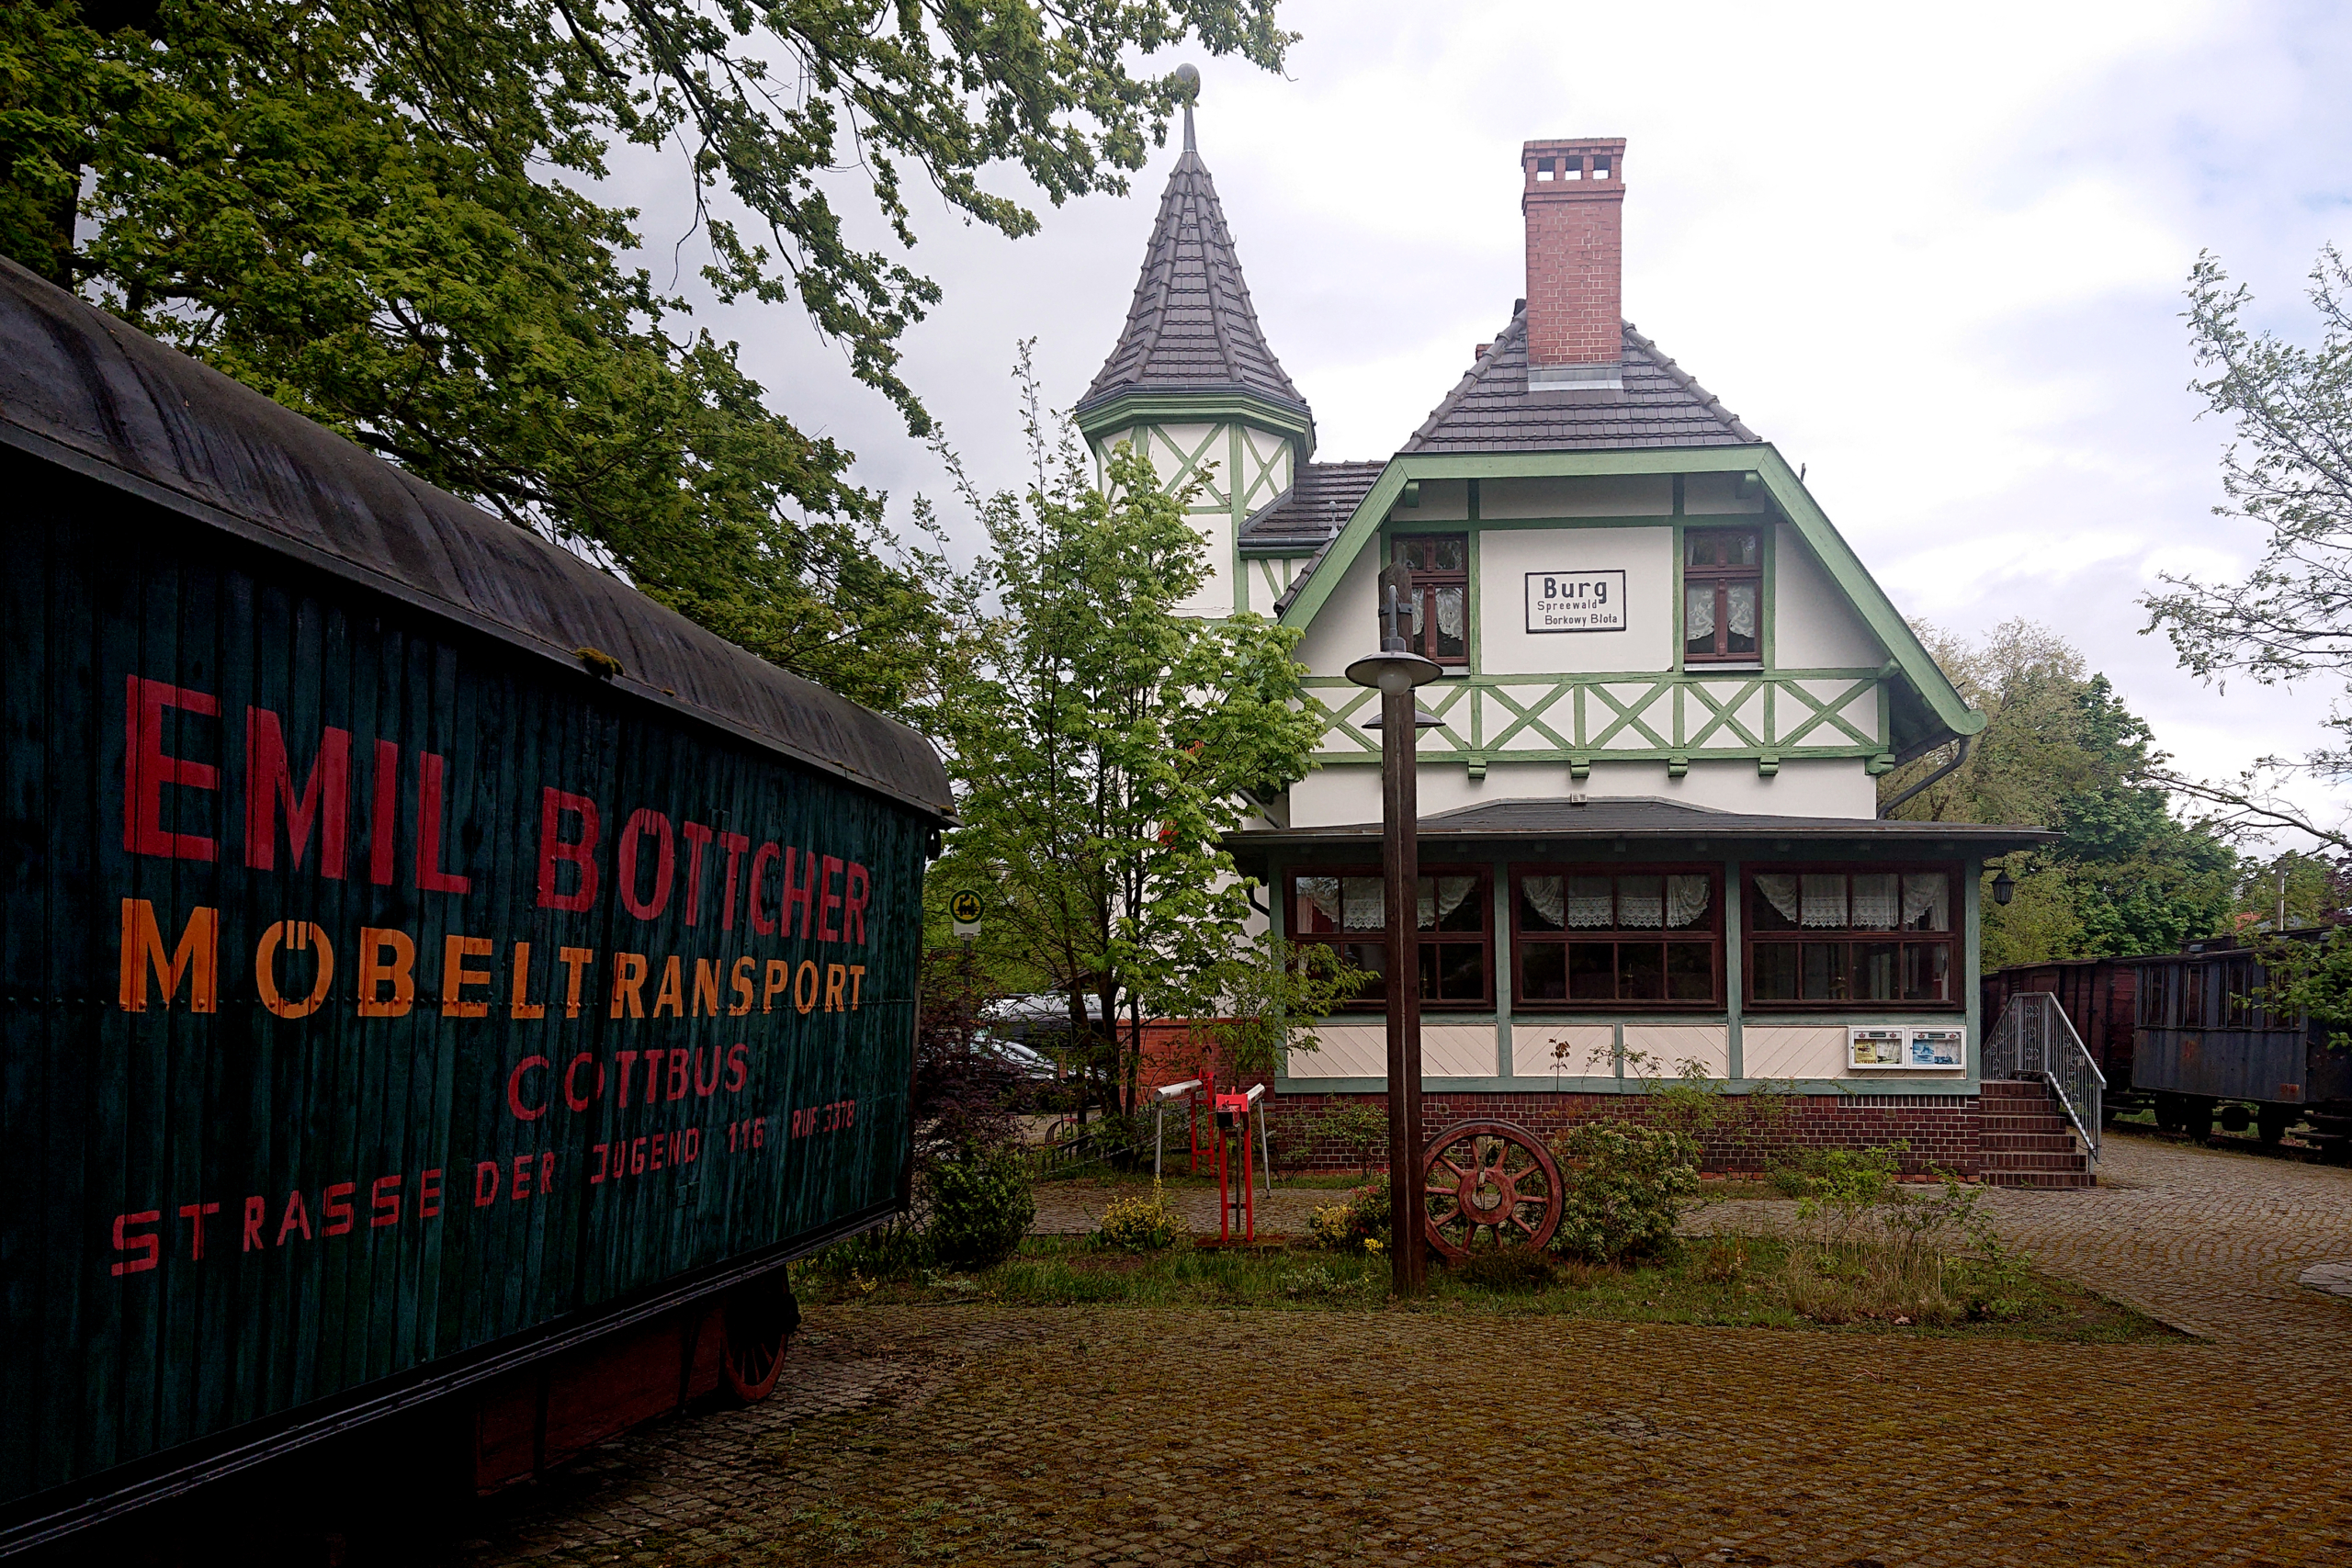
point(758, 1320)
point(1488, 1185)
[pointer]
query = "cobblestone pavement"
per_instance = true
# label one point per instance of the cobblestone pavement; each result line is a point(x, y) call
point(977, 1435)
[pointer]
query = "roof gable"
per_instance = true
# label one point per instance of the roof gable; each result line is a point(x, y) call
point(1490, 409)
point(1191, 327)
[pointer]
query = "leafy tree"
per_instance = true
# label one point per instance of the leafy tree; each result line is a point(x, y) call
point(1103, 746)
point(1269, 995)
point(382, 213)
point(2060, 750)
point(2290, 469)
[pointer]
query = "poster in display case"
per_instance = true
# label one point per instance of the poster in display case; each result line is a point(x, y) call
point(1874, 1048)
point(1945, 1048)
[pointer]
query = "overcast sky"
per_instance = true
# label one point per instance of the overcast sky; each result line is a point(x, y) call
point(1936, 258)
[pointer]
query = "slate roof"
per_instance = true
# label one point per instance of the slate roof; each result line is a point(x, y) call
point(1321, 499)
point(1649, 818)
point(1191, 328)
point(1491, 411)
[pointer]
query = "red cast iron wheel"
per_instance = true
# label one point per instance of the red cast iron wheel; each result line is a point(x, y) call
point(1488, 1185)
point(759, 1319)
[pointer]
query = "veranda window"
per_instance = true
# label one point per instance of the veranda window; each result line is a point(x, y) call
point(1441, 607)
point(1722, 589)
point(1587, 937)
point(1342, 909)
point(1874, 936)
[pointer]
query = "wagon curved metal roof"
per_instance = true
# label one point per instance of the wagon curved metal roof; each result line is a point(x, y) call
point(83, 389)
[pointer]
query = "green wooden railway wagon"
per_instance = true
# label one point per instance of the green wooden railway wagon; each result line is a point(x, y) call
point(426, 961)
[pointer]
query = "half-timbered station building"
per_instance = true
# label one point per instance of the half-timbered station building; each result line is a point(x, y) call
point(1650, 831)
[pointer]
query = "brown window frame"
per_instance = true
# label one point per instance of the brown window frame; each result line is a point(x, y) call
point(1723, 578)
point(1850, 937)
point(1425, 587)
point(1524, 940)
point(1377, 1002)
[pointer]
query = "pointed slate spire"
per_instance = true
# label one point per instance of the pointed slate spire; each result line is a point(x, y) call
point(1191, 328)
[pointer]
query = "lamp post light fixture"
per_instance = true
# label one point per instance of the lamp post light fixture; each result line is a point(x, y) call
point(1394, 672)
point(2005, 886)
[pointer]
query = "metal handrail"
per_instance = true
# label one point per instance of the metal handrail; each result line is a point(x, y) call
point(2035, 1039)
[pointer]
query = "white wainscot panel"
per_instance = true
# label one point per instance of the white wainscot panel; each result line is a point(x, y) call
point(1807, 1051)
point(1709, 1045)
point(1588, 1050)
point(1349, 1051)
point(1457, 1050)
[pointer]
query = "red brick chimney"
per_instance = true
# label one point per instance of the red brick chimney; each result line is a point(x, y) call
point(1575, 205)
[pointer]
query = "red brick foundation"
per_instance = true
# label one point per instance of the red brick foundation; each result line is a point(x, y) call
point(1941, 1130)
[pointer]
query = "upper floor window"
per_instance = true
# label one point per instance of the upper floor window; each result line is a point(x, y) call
point(1344, 908)
point(1851, 936)
point(1723, 590)
point(1441, 609)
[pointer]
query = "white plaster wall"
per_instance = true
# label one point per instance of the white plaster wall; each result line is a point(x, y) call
point(1601, 495)
point(1349, 793)
point(1507, 554)
point(1813, 625)
point(1675, 1044)
point(1718, 495)
point(1443, 500)
point(1347, 627)
point(1274, 450)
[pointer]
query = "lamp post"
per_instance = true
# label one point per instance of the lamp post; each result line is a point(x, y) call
point(1394, 671)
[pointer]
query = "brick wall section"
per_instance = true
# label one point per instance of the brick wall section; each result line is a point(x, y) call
point(1942, 1130)
point(1575, 253)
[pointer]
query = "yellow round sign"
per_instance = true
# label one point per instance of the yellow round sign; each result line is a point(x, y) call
point(965, 908)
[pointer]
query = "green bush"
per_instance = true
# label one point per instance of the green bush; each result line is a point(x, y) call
point(1359, 1225)
point(980, 1207)
point(1141, 1224)
point(1623, 1189)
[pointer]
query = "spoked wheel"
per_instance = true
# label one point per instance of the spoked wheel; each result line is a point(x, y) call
point(1488, 1185)
point(759, 1319)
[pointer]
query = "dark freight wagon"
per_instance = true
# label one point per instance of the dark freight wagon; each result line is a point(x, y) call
point(430, 968)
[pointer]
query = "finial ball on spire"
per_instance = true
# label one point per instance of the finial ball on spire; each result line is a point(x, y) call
point(1188, 76)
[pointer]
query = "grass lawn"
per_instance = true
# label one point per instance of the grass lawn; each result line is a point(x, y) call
point(1717, 1280)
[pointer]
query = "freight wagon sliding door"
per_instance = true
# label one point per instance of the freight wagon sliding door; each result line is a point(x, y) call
point(375, 997)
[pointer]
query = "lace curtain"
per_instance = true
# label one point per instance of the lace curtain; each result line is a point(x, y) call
point(1686, 900)
point(1365, 910)
point(1440, 896)
point(1590, 903)
point(1874, 900)
point(1816, 899)
point(1449, 612)
point(1926, 894)
point(1740, 609)
point(1543, 901)
point(1323, 893)
point(1698, 610)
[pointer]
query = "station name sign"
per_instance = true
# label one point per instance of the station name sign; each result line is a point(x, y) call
point(1575, 600)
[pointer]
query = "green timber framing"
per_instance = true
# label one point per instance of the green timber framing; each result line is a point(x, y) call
point(1149, 418)
point(1797, 717)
